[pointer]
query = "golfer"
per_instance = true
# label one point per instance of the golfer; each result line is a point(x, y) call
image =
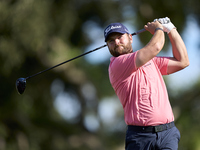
point(137, 80)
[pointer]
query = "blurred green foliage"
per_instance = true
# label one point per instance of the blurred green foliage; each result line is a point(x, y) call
point(37, 34)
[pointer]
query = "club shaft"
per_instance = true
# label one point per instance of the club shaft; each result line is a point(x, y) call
point(135, 33)
point(138, 32)
point(66, 61)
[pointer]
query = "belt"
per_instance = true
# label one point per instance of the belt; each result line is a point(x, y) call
point(152, 129)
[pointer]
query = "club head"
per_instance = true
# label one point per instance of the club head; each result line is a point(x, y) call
point(21, 85)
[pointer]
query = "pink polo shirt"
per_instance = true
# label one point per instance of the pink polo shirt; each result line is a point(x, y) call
point(141, 91)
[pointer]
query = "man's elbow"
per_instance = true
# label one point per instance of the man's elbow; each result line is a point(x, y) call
point(157, 48)
point(185, 63)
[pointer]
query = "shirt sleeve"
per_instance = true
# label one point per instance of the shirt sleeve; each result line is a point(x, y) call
point(162, 63)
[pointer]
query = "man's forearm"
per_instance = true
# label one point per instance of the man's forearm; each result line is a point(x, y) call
point(152, 48)
point(178, 48)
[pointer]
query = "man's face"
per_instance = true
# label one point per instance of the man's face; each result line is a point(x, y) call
point(119, 44)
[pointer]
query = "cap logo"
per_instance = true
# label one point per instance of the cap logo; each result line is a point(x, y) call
point(111, 28)
point(115, 27)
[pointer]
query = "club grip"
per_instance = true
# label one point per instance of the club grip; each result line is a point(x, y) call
point(138, 32)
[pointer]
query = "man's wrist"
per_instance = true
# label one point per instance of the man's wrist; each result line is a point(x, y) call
point(171, 30)
point(158, 29)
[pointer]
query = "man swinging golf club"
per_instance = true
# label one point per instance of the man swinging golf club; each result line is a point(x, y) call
point(137, 80)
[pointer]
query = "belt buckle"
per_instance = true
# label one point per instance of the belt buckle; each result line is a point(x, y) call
point(158, 128)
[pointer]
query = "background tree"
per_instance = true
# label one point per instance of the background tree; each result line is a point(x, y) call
point(35, 35)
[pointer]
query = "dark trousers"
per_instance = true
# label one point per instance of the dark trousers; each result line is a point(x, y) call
point(165, 137)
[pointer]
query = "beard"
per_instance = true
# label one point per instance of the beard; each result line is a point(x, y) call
point(121, 49)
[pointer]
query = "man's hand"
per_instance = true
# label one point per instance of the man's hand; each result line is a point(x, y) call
point(166, 23)
point(151, 26)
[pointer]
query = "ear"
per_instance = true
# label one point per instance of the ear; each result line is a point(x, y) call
point(131, 38)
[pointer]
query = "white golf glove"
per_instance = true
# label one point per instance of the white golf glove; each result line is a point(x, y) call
point(166, 23)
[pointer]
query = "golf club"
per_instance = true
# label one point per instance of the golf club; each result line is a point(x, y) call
point(21, 82)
